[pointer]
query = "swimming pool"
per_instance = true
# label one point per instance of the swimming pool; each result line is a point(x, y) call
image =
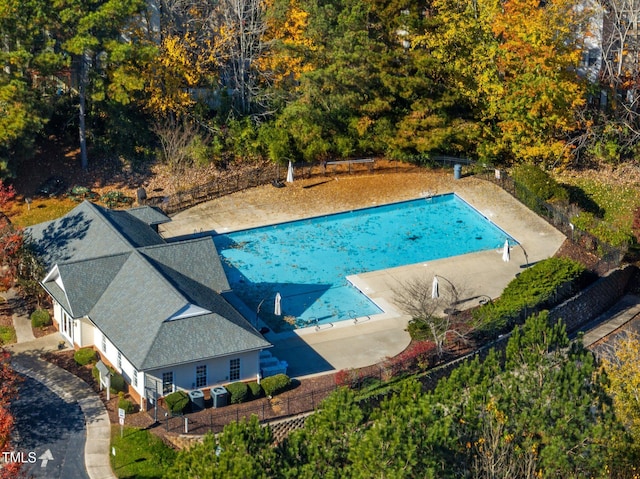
point(307, 261)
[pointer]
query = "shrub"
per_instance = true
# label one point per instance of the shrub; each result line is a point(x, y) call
point(7, 335)
point(540, 183)
point(114, 199)
point(348, 377)
point(40, 318)
point(238, 392)
point(416, 356)
point(255, 389)
point(127, 405)
point(117, 381)
point(543, 285)
point(85, 356)
point(276, 384)
point(418, 330)
point(177, 401)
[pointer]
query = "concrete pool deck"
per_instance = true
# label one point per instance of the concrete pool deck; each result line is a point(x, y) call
point(347, 345)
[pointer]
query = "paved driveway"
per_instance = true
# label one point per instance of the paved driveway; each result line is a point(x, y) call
point(50, 432)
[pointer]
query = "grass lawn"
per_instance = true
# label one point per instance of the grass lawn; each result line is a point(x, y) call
point(7, 335)
point(44, 209)
point(139, 454)
point(611, 199)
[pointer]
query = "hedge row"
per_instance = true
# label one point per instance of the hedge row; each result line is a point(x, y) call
point(177, 401)
point(546, 283)
point(242, 392)
point(276, 384)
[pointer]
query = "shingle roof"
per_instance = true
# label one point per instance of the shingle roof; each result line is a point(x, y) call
point(89, 231)
point(86, 280)
point(149, 215)
point(117, 270)
point(188, 261)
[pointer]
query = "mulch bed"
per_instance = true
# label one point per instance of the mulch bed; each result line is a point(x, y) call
point(44, 331)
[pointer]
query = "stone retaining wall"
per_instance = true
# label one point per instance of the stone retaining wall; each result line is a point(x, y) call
point(590, 303)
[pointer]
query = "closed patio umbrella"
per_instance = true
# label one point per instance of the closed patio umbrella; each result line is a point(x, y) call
point(290, 173)
point(277, 310)
point(505, 252)
point(435, 293)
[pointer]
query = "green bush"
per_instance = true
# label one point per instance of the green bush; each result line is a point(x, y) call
point(418, 330)
point(540, 183)
point(117, 381)
point(95, 374)
point(256, 390)
point(7, 335)
point(40, 318)
point(238, 392)
point(276, 384)
point(177, 401)
point(85, 356)
point(127, 405)
point(543, 285)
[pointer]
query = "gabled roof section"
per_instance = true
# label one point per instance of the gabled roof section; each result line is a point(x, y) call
point(89, 231)
point(134, 306)
point(150, 215)
point(159, 303)
point(187, 312)
point(83, 282)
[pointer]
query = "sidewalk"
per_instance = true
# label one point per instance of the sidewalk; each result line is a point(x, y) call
point(25, 358)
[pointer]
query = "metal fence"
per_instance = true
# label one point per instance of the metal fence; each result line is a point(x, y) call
point(214, 419)
point(610, 257)
point(270, 173)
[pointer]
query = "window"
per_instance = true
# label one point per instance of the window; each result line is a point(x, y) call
point(119, 361)
point(104, 343)
point(135, 378)
point(167, 383)
point(234, 369)
point(201, 376)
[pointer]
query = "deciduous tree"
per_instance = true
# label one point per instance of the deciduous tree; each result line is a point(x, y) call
point(9, 381)
point(540, 92)
point(415, 298)
point(621, 362)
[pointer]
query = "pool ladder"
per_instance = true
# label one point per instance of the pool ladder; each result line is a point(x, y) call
point(310, 321)
point(352, 315)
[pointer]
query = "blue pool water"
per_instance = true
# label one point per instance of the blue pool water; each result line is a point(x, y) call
point(307, 261)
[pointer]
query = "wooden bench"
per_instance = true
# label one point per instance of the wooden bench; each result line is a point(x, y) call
point(370, 161)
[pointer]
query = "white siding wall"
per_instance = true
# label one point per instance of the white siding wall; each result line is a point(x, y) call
point(87, 333)
point(184, 375)
point(57, 313)
point(111, 354)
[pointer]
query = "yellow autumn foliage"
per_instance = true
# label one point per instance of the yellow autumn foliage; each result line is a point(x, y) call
point(622, 366)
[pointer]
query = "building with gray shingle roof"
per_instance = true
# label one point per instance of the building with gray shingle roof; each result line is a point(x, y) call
point(154, 310)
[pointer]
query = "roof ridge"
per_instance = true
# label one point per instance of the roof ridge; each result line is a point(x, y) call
point(100, 210)
point(84, 260)
point(161, 276)
point(175, 243)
